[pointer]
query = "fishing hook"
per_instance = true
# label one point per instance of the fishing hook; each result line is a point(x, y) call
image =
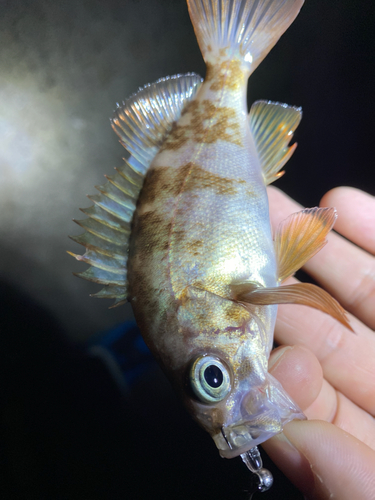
point(254, 463)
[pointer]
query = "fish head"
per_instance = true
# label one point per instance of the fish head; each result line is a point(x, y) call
point(227, 387)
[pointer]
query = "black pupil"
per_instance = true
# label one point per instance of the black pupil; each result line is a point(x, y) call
point(213, 376)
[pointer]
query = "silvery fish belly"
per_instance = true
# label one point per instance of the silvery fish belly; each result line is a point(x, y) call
point(182, 229)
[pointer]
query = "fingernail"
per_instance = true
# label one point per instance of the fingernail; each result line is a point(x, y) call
point(276, 356)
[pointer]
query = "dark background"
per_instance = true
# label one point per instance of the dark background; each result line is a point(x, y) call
point(67, 432)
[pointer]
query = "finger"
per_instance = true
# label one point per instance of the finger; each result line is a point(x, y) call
point(325, 405)
point(301, 375)
point(355, 421)
point(343, 269)
point(356, 211)
point(299, 372)
point(324, 461)
point(347, 360)
point(348, 273)
point(281, 205)
point(334, 407)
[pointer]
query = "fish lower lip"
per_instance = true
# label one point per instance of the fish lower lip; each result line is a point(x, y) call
point(234, 440)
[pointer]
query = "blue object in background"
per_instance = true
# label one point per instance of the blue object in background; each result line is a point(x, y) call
point(124, 353)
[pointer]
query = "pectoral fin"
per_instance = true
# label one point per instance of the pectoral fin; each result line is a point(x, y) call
point(299, 293)
point(301, 236)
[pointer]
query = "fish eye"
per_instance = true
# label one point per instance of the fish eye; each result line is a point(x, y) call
point(209, 379)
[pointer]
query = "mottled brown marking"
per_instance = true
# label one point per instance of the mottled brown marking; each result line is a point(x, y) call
point(178, 137)
point(222, 120)
point(228, 75)
point(154, 231)
point(156, 182)
point(151, 234)
point(141, 288)
point(191, 107)
point(234, 313)
point(194, 247)
point(245, 369)
point(210, 72)
point(149, 218)
point(162, 183)
point(179, 235)
point(184, 296)
point(202, 179)
point(208, 124)
point(181, 174)
point(209, 48)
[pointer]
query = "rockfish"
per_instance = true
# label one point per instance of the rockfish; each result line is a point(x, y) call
point(182, 230)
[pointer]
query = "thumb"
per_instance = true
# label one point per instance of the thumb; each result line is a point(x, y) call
point(323, 461)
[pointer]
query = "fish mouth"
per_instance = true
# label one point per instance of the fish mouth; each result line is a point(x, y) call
point(235, 440)
point(261, 418)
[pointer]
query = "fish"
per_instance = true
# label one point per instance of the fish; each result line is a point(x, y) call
point(182, 229)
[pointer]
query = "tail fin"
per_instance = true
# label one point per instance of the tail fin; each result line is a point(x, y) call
point(249, 27)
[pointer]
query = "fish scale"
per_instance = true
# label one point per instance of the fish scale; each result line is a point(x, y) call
point(233, 198)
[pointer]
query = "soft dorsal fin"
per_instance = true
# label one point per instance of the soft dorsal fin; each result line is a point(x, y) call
point(273, 125)
point(142, 123)
point(146, 118)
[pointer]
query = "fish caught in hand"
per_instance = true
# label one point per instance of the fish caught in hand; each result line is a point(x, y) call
point(182, 230)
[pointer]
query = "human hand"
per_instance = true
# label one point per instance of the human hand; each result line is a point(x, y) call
point(329, 371)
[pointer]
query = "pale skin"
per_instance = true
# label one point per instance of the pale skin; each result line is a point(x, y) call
point(327, 370)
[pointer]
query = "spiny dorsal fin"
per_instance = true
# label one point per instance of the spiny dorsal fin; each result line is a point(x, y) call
point(301, 236)
point(273, 125)
point(142, 123)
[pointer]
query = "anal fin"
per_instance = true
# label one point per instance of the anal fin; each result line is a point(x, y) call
point(301, 236)
point(298, 293)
